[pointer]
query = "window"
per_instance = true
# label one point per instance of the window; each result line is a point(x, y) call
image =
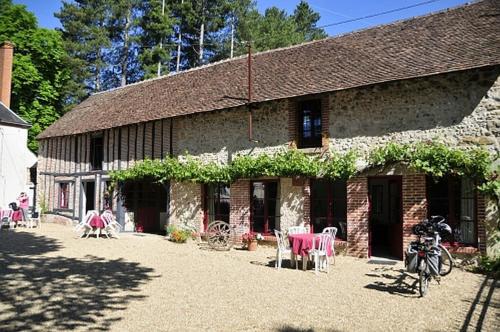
point(107, 196)
point(265, 207)
point(454, 198)
point(217, 203)
point(329, 206)
point(96, 152)
point(63, 195)
point(309, 124)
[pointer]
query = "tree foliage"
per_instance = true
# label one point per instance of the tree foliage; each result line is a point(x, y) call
point(40, 72)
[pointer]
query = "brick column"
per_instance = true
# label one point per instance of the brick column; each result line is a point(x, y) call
point(357, 216)
point(414, 205)
point(306, 192)
point(240, 205)
point(481, 223)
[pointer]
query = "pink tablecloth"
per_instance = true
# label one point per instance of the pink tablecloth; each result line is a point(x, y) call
point(97, 222)
point(14, 215)
point(17, 216)
point(302, 243)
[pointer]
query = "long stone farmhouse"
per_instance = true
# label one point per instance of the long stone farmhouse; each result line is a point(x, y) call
point(426, 78)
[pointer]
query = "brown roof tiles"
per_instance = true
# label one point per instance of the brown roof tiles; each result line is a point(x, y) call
point(462, 38)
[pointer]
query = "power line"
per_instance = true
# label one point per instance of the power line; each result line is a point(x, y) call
point(378, 14)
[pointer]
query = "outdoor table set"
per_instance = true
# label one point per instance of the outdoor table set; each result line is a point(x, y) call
point(11, 219)
point(93, 223)
point(319, 246)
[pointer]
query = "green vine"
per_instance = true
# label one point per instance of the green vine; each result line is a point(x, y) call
point(438, 160)
point(435, 159)
point(283, 164)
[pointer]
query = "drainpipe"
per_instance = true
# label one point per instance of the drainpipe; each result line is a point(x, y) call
point(250, 112)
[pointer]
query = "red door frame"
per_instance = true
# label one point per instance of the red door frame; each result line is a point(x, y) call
point(266, 216)
point(389, 178)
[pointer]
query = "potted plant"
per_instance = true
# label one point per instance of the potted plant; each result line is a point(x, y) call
point(251, 239)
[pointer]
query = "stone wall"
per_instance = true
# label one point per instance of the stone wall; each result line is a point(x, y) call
point(292, 201)
point(462, 108)
point(219, 136)
point(491, 225)
point(186, 204)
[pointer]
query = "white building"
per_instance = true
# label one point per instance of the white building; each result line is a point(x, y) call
point(16, 159)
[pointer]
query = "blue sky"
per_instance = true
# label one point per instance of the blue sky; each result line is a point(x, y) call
point(331, 11)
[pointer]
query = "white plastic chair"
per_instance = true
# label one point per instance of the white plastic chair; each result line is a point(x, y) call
point(84, 224)
point(5, 218)
point(320, 252)
point(297, 230)
point(282, 249)
point(333, 233)
point(112, 226)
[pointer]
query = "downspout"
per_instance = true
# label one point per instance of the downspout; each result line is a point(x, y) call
point(250, 112)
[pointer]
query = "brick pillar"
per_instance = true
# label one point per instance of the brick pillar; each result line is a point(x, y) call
point(414, 205)
point(306, 192)
point(240, 206)
point(357, 216)
point(325, 126)
point(292, 123)
point(481, 223)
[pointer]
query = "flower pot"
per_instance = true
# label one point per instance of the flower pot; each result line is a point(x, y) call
point(252, 245)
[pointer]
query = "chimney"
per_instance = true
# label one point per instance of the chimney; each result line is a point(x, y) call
point(6, 57)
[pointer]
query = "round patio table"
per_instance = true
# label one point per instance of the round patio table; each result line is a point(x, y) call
point(300, 244)
point(97, 222)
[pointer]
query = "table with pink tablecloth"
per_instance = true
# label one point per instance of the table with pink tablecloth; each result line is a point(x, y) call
point(97, 222)
point(13, 215)
point(302, 243)
point(17, 216)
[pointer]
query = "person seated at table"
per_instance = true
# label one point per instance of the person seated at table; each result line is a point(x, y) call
point(23, 200)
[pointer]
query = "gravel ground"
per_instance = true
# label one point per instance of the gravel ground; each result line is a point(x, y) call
point(52, 281)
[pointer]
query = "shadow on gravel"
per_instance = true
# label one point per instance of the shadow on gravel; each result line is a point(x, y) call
point(293, 329)
point(397, 282)
point(474, 319)
point(287, 328)
point(61, 293)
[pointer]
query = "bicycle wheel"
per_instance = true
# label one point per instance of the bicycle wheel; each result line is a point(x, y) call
point(423, 280)
point(445, 262)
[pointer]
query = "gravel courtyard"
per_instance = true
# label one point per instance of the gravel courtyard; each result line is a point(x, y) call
point(52, 281)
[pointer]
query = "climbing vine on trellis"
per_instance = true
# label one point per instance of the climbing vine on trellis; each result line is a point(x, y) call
point(435, 159)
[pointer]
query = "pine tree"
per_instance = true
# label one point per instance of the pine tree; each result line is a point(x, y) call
point(156, 37)
point(200, 22)
point(306, 19)
point(85, 29)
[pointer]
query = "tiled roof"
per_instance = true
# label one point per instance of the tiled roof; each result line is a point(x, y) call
point(9, 118)
point(458, 39)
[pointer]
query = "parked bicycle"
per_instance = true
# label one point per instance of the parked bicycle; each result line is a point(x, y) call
point(427, 256)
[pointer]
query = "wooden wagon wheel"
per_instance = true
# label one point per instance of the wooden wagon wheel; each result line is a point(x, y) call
point(220, 235)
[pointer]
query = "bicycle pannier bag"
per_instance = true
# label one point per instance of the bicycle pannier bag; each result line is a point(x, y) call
point(433, 261)
point(411, 259)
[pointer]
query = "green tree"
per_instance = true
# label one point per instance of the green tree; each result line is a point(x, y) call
point(85, 30)
point(40, 74)
point(306, 19)
point(156, 37)
point(200, 22)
